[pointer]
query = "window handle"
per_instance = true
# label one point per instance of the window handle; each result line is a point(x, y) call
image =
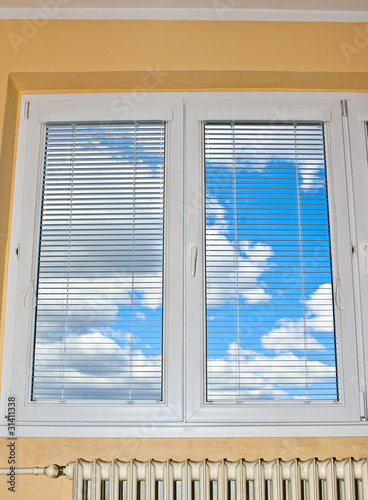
point(365, 255)
point(193, 250)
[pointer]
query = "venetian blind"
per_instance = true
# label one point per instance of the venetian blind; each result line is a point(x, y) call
point(269, 304)
point(98, 321)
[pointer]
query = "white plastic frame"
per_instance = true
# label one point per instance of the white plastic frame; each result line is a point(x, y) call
point(284, 107)
point(357, 119)
point(184, 412)
point(19, 321)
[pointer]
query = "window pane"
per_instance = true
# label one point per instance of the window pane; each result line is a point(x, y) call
point(99, 291)
point(269, 308)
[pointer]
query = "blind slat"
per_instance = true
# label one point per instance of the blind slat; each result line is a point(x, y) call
point(269, 305)
point(98, 327)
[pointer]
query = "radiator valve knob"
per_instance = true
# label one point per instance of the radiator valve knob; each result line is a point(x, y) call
point(53, 471)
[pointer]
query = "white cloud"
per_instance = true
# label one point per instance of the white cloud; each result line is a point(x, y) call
point(259, 252)
point(218, 210)
point(247, 384)
point(252, 375)
point(295, 334)
point(239, 274)
point(97, 366)
point(290, 336)
point(320, 309)
point(312, 176)
point(256, 296)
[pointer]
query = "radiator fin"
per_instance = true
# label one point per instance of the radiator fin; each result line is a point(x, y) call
point(312, 479)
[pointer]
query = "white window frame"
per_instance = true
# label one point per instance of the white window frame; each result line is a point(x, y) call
point(356, 125)
point(183, 409)
point(24, 239)
point(260, 107)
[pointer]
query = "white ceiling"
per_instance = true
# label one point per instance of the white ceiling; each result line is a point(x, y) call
point(300, 10)
point(333, 5)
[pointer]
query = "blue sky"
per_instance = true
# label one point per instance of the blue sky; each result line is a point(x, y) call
point(268, 264)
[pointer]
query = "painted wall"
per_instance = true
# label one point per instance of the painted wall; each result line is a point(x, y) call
point(45, 55)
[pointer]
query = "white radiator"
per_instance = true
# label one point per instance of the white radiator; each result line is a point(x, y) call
point(275, 480)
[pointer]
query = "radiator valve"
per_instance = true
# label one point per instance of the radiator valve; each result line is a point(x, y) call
point(53, 471)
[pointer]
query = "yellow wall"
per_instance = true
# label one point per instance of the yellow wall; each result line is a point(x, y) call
point(193, 55)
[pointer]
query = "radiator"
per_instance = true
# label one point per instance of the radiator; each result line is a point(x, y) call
point(224, 480)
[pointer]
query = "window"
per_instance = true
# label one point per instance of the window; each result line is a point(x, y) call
point(240, 146)
point(93, 202)
point(180, 274)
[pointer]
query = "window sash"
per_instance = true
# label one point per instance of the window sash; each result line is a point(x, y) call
point(273, 109)
point(20, 318)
